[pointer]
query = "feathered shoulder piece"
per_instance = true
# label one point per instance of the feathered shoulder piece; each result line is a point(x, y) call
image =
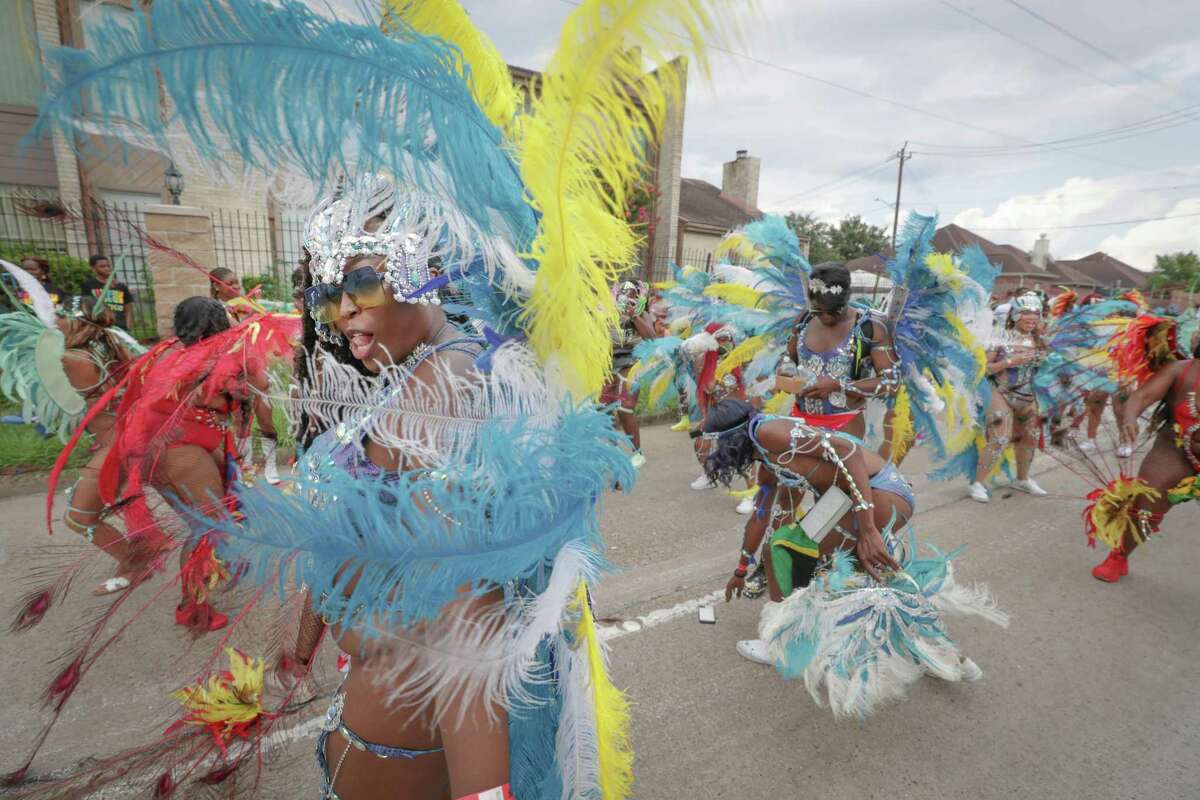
point(1063, 302)
point(1144, 347)
point(31, 374)
point(768, 240)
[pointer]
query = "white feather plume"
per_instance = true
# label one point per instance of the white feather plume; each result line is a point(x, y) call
point(577, 750)
point(489, 655)
point(430, 421)
point(43, 306)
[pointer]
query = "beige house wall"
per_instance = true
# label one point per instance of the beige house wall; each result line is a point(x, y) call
point(696, 245)
point(188, 230)
point(45, 20)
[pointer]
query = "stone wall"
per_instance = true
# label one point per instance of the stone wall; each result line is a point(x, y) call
point(188, 230)
point(669, 170)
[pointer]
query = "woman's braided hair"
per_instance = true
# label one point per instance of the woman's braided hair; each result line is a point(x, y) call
point(198, 318)
point(734, 450)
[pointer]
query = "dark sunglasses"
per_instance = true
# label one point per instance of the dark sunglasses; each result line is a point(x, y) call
point(323, 301)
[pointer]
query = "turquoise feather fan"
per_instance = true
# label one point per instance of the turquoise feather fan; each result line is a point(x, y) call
point(22, 335)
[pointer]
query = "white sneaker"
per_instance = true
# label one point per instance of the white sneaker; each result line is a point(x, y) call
point(754, 650)
point(746, 506)
point(979, 493)
point(1088, 445)
point(1028, 485)
point(970, 670)
point(702, 483)
point(637, 459)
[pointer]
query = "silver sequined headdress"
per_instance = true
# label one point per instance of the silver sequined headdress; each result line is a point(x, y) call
point(337, 231)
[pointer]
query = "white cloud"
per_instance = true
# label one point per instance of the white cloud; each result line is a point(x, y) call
point(1085, 201)
point(1142, 243)
point(920, 53)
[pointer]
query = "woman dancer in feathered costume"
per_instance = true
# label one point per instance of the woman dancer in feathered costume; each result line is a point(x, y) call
point(1128, 510)
point(858, 639)
point(57, 367)
point(458, 572)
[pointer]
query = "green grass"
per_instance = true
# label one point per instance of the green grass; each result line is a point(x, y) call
point(22, 449)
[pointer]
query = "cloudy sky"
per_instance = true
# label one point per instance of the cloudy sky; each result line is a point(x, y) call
point(980, 88)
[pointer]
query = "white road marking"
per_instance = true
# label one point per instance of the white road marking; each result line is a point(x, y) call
point(658, 616)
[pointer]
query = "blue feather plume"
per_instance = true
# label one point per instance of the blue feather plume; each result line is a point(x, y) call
point(277, 84)
point(496, 514)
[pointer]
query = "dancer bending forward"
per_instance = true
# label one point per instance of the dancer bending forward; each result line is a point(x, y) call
point(858, 638)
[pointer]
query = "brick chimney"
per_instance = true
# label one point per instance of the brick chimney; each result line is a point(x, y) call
point(1041, 252)
point(739, 179)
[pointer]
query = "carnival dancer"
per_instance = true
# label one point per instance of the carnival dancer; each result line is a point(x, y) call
point(858, 639)
point(1128, 511)
point(225, 286)
point(1013, 358)
point(59, 372)
point(463, 560)
point(636, 325)
point(848, 350)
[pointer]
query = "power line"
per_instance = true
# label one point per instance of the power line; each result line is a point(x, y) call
point(1093, 224)
point(845, 179)
point(1101, 51)
point(1119, 133)
point(1028, 45)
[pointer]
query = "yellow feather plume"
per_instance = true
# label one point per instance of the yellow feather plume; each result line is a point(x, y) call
point(942, 265)
point(734, 293)
point(966, 337)
point(612, 710)
point(659, 388)
point(739, 355)
point(737, 244)
point(1113, 511)
point(902, 426)
point(488, 76)
point(226, 702)
point(582, 151)
point(779, 403)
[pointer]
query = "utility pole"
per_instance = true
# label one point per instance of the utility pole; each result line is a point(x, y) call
point(903, 155)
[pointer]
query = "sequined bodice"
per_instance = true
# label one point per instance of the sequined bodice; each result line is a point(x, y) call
point(1010, 343)
point(837, 364)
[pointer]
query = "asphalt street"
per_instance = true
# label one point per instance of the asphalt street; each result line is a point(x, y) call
point(1092, 692)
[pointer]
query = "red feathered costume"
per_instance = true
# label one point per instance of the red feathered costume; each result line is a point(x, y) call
point(706, 382)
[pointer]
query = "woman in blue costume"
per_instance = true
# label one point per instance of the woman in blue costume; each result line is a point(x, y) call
point(451, 574)
point(840, 655)
point(848, 349)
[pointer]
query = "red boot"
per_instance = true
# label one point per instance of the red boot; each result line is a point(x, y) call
point(1113, 568)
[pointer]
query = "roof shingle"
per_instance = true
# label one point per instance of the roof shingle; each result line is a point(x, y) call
point(701, 203)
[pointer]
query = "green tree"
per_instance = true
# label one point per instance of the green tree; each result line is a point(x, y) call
point(807, 226)
point(851, 238)
point(855, 238)
point(1175, 269)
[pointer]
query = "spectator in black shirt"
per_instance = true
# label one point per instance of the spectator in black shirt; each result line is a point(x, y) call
point(118, 297)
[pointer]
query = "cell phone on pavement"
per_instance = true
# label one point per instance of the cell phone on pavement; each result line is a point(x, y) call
point(708, 616)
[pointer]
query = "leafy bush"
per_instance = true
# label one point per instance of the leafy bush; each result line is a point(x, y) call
point(276, 284)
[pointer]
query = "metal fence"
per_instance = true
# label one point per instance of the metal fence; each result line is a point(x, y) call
point(661, 266)
point(261, 249)
point(38, 224)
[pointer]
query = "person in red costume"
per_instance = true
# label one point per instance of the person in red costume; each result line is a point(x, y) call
point(1171, 467)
